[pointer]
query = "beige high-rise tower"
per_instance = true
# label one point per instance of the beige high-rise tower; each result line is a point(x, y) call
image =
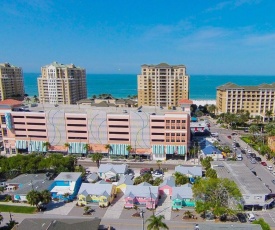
point(162, 85)
point(62, 84)
point(11, 81)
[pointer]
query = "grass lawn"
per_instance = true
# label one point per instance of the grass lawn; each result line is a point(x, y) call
point(17, 209)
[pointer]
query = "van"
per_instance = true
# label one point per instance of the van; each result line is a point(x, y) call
point(251, 217)
point(239, 158)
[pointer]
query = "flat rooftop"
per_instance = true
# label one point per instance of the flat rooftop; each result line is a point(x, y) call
point(237, 171)
point(110, 110)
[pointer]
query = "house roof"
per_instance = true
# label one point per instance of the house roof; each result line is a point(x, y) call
point(141, 191)
point(119, 169)
point(59, 224)
point(125, 179)
point(11, 102)
point(194, 171)
point(96, 189)
point(185, 101)
point(27, 178)
point(144, 184)
point(93, 176)
point(103, 182)
point(184, 191)
point(37, 185)
point(209, 149)
point(68, 176)
point(170, 181)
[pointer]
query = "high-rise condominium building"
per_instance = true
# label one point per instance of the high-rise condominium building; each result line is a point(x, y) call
point(62, 84)
point(162, 85)
point(257, 100)
point(11, 81)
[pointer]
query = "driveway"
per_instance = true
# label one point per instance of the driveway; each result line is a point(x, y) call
point(115, 209)
point(59, 208)
point(164, 207)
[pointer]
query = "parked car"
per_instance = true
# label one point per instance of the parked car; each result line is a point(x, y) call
point(243, 151)
point(144, 171)
point(253, 161)
point(234, 133)
point(263, 163)
point(258, 159)
point(158, 173)
point(251, 217)
point(130, 172)
point(229, 137)
point(237, 144)
point(241, 217)
point(270, 168)
point(253, 155)
point(273, 173)
point(273, 181)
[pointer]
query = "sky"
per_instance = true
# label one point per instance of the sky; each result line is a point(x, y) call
point(118, 36)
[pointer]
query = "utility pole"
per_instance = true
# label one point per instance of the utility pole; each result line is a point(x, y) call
point(141, 213)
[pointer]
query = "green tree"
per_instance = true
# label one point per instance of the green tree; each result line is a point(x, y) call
point(211, 173)
point(264, 225)
point(270, 129)
point(156, 223)
point(35, 99)
point(253, 129)
point(1, 218)
point(268, 114)
point(33, 198)
point(97, 157)
point(67, 146)
point(180, 179)
point(86, 147)
point(47, 145)
point(258, 118)
point(147, 177)
point(157, 181)
point(108, 147)
point(159, 163)
point(220, 195)
point(27, 99)
point(206, 162)
point(129, 149)
point(45, 196)
point(138, 180)
point(211, 108)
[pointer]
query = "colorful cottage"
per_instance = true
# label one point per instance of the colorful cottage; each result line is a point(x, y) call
point(66, 185)
point(123, 182)
point(143, 194)
point(110, 172)
point(166, 187)
point(191, 172)
point(182, 197)
point(103, 194)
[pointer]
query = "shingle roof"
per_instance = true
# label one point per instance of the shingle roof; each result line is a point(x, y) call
point(27, 178)
point(230, 85)
point(92, 177)
point(68, 176)
point(119, 169)
point(194, 171)
point(184, 191)
point(59, 224)
point(170, 181)
point(96, 189)
point(125, 179)
point(185, 101)
point(37, 185)
point(11, 102)
point(141, 191)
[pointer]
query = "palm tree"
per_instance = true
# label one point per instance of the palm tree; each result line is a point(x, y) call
point(128, 149)
point(97, 157)
point(86, 147)
point(67, 146)
point(35, 99)
point(46, 196)
point(1, 218)
point(258, 118)
point(268, 114)
point(33, 198)
point(108, 147)
point(159, 163)
point(27, 100)
point(156, 223)
point(270, 129)
point(253, 129)
point(211, 108)
point(47, 145)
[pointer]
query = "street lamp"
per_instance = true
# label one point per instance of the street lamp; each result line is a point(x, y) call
point(141, 213)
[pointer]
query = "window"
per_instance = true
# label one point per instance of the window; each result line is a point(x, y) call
point(76, 118)
point(112, 119)
point(5, 133)
point(3, 119)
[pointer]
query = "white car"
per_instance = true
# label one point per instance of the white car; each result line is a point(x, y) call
point(273, 173)
point(270, 168)
point(251, 217)
point(249, 151)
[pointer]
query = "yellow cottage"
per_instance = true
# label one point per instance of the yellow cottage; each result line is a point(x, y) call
point(103, 194)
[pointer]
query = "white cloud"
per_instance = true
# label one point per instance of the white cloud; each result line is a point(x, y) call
point(231, 4)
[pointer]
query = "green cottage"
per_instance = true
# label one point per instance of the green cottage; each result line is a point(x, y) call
point(182, 197)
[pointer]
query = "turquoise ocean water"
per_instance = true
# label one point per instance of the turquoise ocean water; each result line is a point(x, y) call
point(202, 87)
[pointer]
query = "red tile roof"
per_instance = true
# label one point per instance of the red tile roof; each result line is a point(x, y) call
point(11, 102)
point(185, 101)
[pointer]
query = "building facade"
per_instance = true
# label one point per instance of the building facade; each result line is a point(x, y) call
point(62, 84)
point(162, 85)
point(257, 100)
point(11, 81)
point(158, 134)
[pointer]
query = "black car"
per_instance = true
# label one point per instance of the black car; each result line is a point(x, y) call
point(237, 144)
point(243, 151)
point(258, 159)
point(253, 155)
point(241, 217)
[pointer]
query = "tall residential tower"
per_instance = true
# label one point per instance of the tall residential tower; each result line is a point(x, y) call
point(11, 81)
point(62, 84)
point(162, 85)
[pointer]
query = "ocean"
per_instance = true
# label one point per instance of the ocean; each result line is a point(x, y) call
point(202, 87)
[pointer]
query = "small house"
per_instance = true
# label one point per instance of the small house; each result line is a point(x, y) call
point(92, 178)
point(111, 172)
point(166, 187)
point(103, 194)
point(182, 197)
point(189, 171)
point(143, 194)
point(123, 182)
point(66, 185)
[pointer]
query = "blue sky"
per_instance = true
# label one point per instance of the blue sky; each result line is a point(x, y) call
point(118, 36)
